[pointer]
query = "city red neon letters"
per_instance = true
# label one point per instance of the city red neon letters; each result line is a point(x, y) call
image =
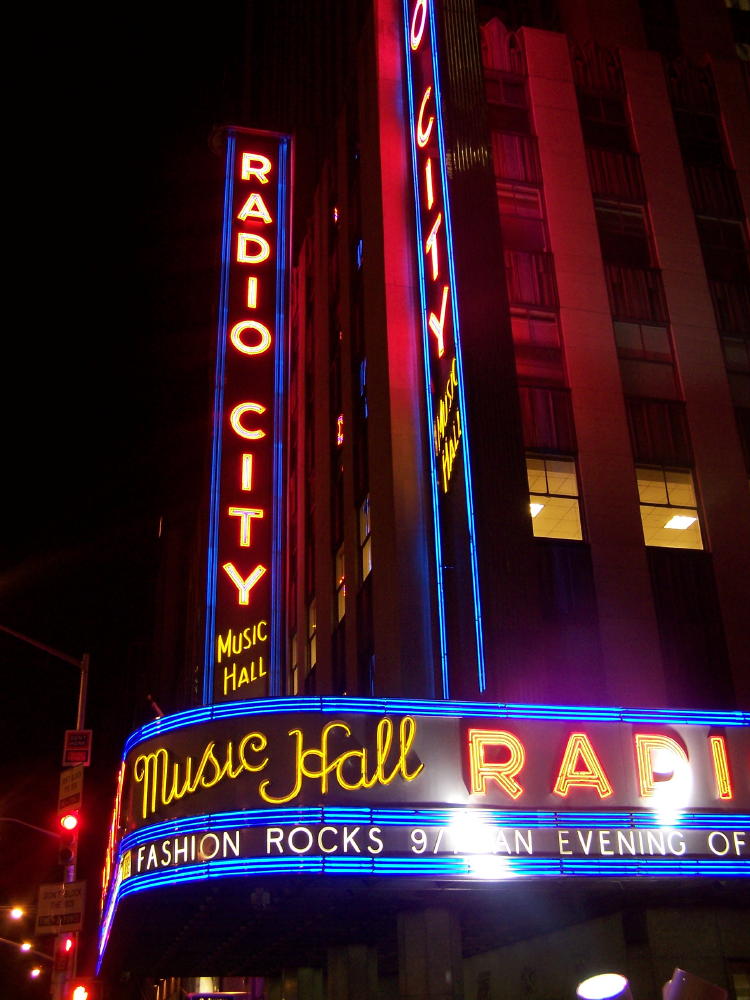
point(439, 314)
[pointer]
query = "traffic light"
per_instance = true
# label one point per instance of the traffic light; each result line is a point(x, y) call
point(68, 822)
point(84, 988)
point(65, 947)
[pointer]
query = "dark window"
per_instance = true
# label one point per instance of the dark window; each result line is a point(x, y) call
point(731, 301)
point(700, 138)
point(507, 102)
point(547, 417)
point(615, 175)
point(724, 249)
point(714, 192)
point(736, 353)
point(566, 581)
point(659, 432)
point(568, 602)
point(690, 629)
point(530, 278)
point(538, 350)
point(604, 121)
point(516, 158)
point(643, 341)
point(521, 218)
point(636, 293)
point(623, 234)
point(662, 26)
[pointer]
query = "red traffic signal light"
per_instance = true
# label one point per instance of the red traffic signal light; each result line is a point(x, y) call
point(64, 948)
point(84, 989)
point(69, 821)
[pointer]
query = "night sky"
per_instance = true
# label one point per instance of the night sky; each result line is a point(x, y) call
point(109, 117)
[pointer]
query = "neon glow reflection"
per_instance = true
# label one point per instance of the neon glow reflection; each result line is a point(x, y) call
point(673, 786)
point(476, 840)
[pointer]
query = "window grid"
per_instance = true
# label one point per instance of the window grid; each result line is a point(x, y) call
point(553, 497)
point(669, 510)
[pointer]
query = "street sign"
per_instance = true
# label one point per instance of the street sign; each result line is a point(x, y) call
point(77, 747)
point(60, 907)
point(71, 789)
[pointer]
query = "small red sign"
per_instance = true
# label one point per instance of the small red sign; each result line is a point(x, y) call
point(77, 747)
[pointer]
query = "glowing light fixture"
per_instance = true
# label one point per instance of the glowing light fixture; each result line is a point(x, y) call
point(680, 522)
point(535, 508)
point(69, 821)
point(606, 986)
point(25, 946)
point(35, 972)
point(17, 912)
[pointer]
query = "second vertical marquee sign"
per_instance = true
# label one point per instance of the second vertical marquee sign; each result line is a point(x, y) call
point(244, 551)
point(458, 595)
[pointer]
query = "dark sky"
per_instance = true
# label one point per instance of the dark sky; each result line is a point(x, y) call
point(110, 114)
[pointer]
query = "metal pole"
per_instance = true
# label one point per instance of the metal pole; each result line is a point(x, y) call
point(84, 667)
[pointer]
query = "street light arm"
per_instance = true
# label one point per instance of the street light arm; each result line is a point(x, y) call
point(82, 665)
point(40, 645)
point(31, 826)
point(29, 951)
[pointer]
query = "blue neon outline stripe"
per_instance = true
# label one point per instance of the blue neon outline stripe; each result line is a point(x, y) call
point(214, 502)
point(426, 709)
point(481, 672)
point(426, 817)
point(420, 867)
point(427, 375)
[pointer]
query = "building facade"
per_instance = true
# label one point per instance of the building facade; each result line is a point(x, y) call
point(513, 452)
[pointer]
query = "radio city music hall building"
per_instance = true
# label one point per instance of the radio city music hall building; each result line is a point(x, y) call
point(471, 715)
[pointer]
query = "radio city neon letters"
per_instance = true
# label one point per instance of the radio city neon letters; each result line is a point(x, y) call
point(252, 248)
point(657, 759)
point(244, 536)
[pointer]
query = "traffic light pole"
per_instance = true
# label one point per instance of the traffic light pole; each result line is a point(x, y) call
point(62, 979)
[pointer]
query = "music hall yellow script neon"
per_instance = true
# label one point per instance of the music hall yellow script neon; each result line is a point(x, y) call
point(164, 777)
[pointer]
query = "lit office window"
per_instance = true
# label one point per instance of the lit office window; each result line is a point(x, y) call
point(669, 510)
point(312, 635)
point(553, 497)
point(340, 584)
point(365, 538)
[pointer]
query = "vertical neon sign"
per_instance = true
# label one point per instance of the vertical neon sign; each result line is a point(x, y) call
point(243, 600)
point(458, 600)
